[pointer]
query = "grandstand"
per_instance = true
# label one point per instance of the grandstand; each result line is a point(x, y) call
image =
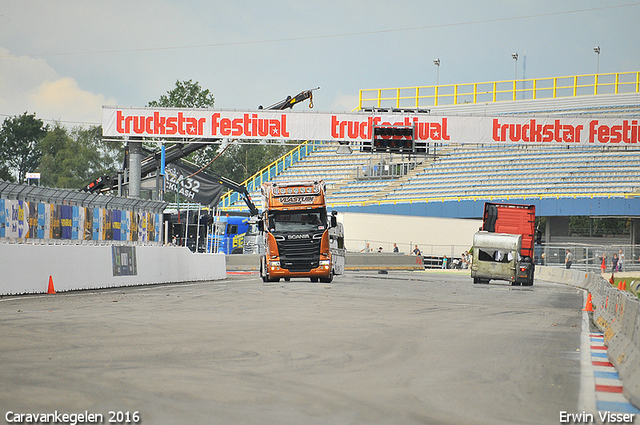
point(475, 173)
point(470, 172)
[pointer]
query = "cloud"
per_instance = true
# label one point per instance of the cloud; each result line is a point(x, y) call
point(64, 100)
point(31, 85)
point(345, 102)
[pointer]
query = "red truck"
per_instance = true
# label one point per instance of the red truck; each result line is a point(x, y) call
point(516, 220)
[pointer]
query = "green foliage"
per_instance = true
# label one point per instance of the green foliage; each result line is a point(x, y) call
point(70, 159)
point(186, 94)
point(239, 162)
point(19, 145)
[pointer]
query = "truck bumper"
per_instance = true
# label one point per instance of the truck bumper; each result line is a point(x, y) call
point(319, 272)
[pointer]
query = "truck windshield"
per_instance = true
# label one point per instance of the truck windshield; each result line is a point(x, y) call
point(220, 228)
point(298, 221)
point(495, 255)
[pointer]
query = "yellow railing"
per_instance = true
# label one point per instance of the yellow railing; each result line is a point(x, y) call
point(497, 91)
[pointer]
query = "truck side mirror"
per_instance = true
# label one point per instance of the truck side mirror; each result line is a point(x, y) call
point(261, 225)
point(334, 220)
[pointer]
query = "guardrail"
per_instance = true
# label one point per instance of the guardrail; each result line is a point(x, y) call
point(484, 198)
point(497, 91)
point(617, 315)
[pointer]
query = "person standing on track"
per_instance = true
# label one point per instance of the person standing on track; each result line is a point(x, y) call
point(568, 259)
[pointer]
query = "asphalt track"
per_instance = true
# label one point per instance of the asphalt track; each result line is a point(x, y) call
point(400, 348)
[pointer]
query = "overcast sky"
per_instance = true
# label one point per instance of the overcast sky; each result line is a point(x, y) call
point(65, 59)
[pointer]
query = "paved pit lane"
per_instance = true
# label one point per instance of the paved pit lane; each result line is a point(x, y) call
point(400, 348)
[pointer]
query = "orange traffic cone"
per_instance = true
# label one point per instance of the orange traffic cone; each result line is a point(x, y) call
point(589, 305)
point(611, 281)
point(623, 285)
point(51, 290)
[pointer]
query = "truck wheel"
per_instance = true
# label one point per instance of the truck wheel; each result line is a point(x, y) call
point(313, 279)
point(327, 279)
point(287, 279)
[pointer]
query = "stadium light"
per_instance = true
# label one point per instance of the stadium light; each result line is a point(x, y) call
point(436, 62)
point(515, 56)
point(597, 50)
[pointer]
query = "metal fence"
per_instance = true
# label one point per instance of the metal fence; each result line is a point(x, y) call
point(35, 214)
point(589, 257)
point(385, 170)
point(585, 257)
point(496, 91)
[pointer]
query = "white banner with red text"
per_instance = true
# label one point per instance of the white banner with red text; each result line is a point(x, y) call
point(356, 127)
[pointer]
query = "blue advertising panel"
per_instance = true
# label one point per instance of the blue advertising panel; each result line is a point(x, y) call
point(42, 220)
point(75, 223)
point(124, 226)
point(66, 220)
point(96, 224)
point(115, 224)
point(3, 221)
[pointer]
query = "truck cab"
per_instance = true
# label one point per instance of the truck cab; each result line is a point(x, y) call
point(514, 219)
point(295, 227)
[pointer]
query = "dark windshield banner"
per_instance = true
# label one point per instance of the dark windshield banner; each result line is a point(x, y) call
point(200, 188)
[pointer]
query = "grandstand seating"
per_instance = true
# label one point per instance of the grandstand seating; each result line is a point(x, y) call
point(475, 171)
point(486, 171)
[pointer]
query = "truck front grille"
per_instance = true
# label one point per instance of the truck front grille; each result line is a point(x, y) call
point(299, 255)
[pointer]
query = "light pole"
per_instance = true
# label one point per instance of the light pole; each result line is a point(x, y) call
point(597, 50)
point(515, 56)
point(436, 62)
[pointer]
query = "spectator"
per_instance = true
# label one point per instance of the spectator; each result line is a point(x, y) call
point(620, 260)
point(416, 251)
point(614, 263)
point(444, 262)
point(395, 248)
point(603, 266)
point(568, 259)
point(366, 248)
point(380, 249)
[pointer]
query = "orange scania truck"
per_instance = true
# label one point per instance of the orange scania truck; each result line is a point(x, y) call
point(296, 230)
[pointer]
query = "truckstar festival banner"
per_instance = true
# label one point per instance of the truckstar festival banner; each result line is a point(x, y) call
point(357, 127)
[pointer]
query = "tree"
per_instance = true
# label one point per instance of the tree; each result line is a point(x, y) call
point(19, 145)
point(239, 162)
point(71, 158)
point(186, 94)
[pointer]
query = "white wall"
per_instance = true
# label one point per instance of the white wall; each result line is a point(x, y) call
point(433, 235)
point(25, 268)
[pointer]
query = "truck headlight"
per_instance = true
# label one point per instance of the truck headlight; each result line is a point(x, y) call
point(274, 263)
point(325, 262)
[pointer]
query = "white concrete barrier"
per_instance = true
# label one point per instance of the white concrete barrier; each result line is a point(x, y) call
point(26, 268)
point(617, 314)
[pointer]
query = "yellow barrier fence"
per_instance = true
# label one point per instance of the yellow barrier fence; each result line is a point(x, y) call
point(497, 91)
